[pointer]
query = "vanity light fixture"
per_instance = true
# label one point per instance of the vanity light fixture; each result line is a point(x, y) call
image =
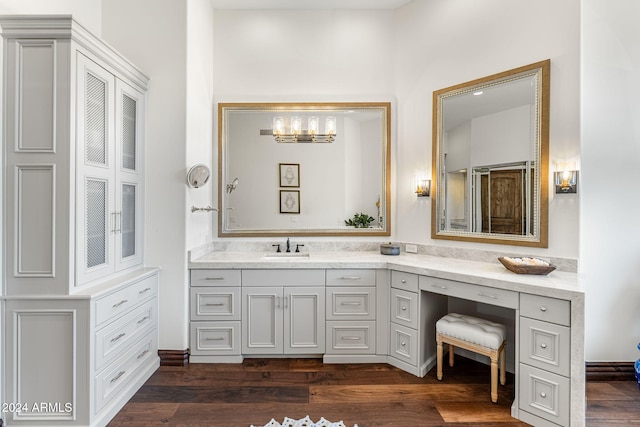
point(423, 187)
point(566, 178)
point(298, 134)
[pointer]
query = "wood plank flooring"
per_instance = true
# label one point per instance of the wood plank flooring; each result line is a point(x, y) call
point(370, 395)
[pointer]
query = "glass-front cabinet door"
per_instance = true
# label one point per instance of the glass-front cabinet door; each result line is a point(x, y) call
point(109, 184)
point(129, 126)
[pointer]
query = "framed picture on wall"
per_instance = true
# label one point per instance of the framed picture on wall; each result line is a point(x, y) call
point(290, 201)
point(289, 174)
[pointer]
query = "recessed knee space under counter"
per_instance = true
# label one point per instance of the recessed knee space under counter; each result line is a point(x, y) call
point(362, 307)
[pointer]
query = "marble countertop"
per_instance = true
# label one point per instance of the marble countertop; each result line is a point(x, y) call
point(557, 284)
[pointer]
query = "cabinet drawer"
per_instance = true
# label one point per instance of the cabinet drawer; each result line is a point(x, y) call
point(215, 338)
point(212, 277)
point(404, 344)
point(351, 337)
point(349, 303)
point(493, 296)
point(406, 281)
point(544, 394)
point(111, 306)
point(404, 308)
point(215, 303)
point(546, 309)
point(545, 345)
point(351, 277)
point(282, 277)
point(110, 382)
point(115, 338)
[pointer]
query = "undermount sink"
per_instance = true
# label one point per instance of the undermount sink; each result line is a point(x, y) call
point(287, 255)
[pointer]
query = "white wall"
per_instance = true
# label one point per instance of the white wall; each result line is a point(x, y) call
point(199, 119)
point(610, 202)
point(440, 43)
point(85, 12)
point(153, 35)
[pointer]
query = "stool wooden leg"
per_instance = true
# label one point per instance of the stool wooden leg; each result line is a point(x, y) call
point(494, 376)
point(451, 355)
point(439, 356)
point(503, 367)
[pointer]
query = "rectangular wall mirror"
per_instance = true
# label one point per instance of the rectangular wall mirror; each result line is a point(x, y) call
point(293, 169)
point(490, 158)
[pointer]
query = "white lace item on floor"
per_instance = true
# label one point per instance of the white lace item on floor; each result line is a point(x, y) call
point(303, 422)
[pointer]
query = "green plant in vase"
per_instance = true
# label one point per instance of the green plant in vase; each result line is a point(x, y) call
point(359, 220)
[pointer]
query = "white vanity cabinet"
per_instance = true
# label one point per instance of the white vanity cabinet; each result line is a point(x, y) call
point(545, 360)
point(80, 309)
point(283, 312)
point(215, 315)
point(351, 312)
point(412, 338)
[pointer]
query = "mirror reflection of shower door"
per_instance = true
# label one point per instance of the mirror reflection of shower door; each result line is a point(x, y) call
point(503, 208)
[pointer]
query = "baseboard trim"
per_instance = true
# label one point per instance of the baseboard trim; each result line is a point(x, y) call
point(610, 371)
point(174, 357)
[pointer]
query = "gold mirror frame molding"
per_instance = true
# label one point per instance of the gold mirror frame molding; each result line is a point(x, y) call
point(384, 107)
point(539, 239)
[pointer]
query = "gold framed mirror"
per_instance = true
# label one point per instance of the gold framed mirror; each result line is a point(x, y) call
point(491, 159)
point(304, 169)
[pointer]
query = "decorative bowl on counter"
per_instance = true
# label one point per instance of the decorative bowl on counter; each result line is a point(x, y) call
point(527, 265)
point(389, 249)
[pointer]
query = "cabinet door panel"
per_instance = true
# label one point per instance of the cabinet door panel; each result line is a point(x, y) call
point(262, 318)
point(304, 323)
point(96, 202)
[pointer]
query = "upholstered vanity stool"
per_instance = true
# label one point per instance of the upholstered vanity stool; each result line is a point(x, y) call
point(478, 335)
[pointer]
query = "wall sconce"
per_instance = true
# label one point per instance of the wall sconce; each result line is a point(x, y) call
point(232, 186)
point(297, 134)
point(566, 178)
point(423, 187)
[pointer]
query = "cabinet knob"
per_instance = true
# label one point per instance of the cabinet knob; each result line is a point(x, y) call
point(403, 281)
point(543, 394)
point(404, 344)
point(543, 308)
point(543, 345)
point(404, 308)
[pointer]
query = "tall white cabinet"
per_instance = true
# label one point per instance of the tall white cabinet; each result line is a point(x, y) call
point(79, 308)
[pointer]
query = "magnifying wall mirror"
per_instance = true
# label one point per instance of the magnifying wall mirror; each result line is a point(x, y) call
point(304, 169)
point(490, 158)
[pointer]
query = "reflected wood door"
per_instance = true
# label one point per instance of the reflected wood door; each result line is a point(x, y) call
point(503, 202)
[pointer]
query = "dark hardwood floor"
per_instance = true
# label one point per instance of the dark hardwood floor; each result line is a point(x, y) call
point(370, 395)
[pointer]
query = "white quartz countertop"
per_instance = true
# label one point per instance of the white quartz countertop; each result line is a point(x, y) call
point(557, 284)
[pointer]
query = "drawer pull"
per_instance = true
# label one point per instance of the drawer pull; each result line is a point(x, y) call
point(438, 286)
point(118, 337)
point(141, 355)
point(543, 345)
point(543, 308)
point(144, 291)
point(482, 294)
point(214, 304)
point(351, 278)
point(350, 303)
point(214, 278)
point(214, 339)
point(351, 338)
point(117, 377)
point(118, 304)
point(543, 394)
point(143, 319)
